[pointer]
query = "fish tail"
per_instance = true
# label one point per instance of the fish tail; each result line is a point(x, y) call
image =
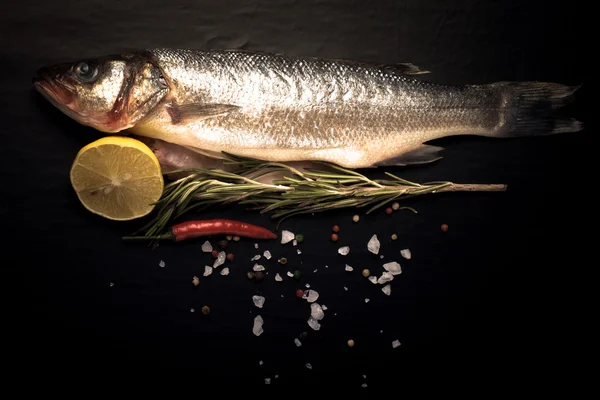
point(534, 109)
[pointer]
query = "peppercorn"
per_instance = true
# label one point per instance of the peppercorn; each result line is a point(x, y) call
point(303, 336)
point(394, 236)
point(355, 218)
point(214, 253)
point(350, 343)
point(230, 257)
point(366, 273)
point(223, 244)
point(228, 237)
point(388, 210)
point(297, 274)
point(205, 310)
point(299, 238)
point(335, 228)
point(250, 275)
point(444, 228)
point(236, 238)
point(299, 293)
point(259, 275)
point(283, 260)
point(195, 281)
point(395, 206)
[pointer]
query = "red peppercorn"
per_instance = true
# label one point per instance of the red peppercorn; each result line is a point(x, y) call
point(388, 210)
point(334, 237)
point(230, 257)
point(335, 228)
point(214, 253)
point(299, 293)
point(444, 228)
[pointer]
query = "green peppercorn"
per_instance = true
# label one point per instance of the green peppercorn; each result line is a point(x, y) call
point(303, 336)
point(297, 274)
point(223, 244)
point(299, 238)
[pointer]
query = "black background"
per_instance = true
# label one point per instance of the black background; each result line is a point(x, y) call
point(503, 289)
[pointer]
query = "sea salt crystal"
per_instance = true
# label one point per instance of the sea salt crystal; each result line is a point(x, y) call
point(393, 268)
point(311, 296)
point(267, 381)
point(207, 247)
point(207, 270)
point(225, 271)
point(260, 362)
point(220, 259)
point(323, 307)
point(345, 288)
point(373, 245)
point(256, 245)
point(267, 254)
point(314, 271)
point(373, 279)
point(381, 256)
point(161, 264)
point(298, 251)
point(406, 254)
point(287, 236)
point(327, 266)
point(111, 284)
point(316, 311)
point(192, 309)
point(364, 385)
point(385, 277)
point(314, 324)
point(367, 300)
point(344, 250)
point(257, 328)
point(258, 267)
point(295, 242)
point(259, 301)
point(309, 366)
point(298, 342)
point(255, 258)
point(395, 343)
point(349, 268)
point(278, 277)
point(290, 274)
point(387, 289)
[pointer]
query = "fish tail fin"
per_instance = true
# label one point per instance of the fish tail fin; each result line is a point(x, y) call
point(534, 109)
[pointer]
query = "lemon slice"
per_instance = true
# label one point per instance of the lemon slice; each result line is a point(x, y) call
point(117, 177)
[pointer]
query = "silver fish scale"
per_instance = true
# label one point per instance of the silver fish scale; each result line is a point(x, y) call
point(313, 104)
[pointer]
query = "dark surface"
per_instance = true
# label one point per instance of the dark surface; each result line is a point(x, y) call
point(501, 290)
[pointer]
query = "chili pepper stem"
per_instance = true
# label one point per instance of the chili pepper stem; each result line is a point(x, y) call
point(165, 236)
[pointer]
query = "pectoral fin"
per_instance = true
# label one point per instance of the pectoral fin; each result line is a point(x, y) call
point(186, 112)
point(423, 154)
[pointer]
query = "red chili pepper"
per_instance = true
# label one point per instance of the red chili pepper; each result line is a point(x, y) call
point(198, 228)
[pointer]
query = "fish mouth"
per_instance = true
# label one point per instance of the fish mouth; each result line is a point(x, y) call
point(49, 85)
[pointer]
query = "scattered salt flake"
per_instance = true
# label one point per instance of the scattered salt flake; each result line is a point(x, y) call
point(364, 376)
point(327, 266)
point(295, 242)
point(258, 267)
point(298, 342)
point(373, 279)
point(307, 285)
point(393, 268)
point(267, 381)
point(367, 300)
point(287, 236)
point(314, 324)
point(255, 258)
point(308, 365)
point(256, 245)
point(267, 254)
point(257, 328)
point(276, 376)
point(278, 277)
point(316, 311)
point(161, 264)
point(298, 251)
point(207, 270)
point(315, 271)
point(290, 274)
point(395, 343)
point(220, 259)
point(344, 250)
point(381, 331)
point(381, 256)
point(387, 289)
point(192, 309)
point(385, 277)
point(312, 296)
point(364, 385)
point(349, 268)
point(323, 307)
point(111, 284)
point(260, 362)
point(406, 253)
point(207, 247)
point(345, 288)
point(225, 271)
point(259, 301)
point(373, 245)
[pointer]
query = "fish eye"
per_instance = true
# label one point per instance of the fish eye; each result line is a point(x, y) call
point(86, 72)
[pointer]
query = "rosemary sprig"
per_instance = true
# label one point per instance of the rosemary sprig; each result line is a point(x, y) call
point(298, 192)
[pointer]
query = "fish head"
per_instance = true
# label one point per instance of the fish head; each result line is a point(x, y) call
point(109, 94)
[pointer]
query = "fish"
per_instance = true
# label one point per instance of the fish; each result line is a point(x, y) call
point(282, 108)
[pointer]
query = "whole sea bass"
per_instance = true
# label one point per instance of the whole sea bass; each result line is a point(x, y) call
point(279, 108)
